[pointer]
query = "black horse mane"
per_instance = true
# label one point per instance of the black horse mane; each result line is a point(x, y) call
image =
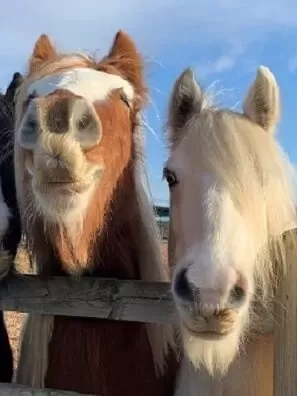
point(7, 183)
point(12, 237)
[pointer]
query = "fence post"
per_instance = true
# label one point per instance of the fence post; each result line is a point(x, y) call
point(285, 327)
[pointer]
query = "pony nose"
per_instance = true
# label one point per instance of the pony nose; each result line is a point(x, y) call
point(182, 287)
point(75, 116)
point(189, 293)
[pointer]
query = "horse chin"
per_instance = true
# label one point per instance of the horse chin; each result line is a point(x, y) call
point(211, 350)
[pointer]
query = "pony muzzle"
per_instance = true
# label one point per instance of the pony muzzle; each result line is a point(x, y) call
point(208, 301)
point(59, 160)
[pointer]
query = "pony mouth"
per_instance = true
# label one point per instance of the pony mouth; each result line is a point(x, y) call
point(64, 186)
point(206, 334)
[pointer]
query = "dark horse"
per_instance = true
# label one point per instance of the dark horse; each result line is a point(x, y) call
point(10, 229)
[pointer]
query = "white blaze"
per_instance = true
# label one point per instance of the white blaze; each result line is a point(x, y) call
point(90, 84)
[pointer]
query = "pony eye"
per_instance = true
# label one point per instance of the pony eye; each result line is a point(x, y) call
point(170, 178)
point(30, 97)
point(125, 100)
point(31, 123)
point(85, 121)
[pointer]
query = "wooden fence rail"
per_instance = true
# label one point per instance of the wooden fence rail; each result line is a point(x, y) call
point(139, 301)
point(20, 390)
point(149, 302)
point(125, 300)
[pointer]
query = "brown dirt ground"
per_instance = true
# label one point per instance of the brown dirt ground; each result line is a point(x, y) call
point(14, 319)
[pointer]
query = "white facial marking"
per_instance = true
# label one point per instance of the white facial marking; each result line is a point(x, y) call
point(90, 84)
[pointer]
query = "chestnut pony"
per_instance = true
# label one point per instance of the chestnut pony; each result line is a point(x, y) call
point(85, 212)
point(10, 228)
point(231, 199)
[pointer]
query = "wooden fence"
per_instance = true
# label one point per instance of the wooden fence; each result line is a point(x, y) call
point(145, 302)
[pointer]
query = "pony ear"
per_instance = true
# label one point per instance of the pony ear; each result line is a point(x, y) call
point(15, 83)
point(43, 51)
point(262, 103)
point(128, 61)
point(186, 99)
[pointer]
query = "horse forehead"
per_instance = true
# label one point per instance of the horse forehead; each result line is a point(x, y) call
point(187, 163)
point(90, 84)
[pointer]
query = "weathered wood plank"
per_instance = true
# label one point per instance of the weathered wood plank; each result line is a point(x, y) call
point(285, 328)
point(148, 302)
point(89, 297)
point(20, 390)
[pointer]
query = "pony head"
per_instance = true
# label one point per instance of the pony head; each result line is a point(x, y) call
point(74, 132)
point(79, 172)
point(231, 198)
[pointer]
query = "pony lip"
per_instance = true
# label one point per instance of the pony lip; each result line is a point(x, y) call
point(206, 334)
point(65, 186)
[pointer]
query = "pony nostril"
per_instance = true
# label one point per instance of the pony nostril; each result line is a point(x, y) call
point(182, 287)
point(86, 125)
point(85, 121)
point(237, 295)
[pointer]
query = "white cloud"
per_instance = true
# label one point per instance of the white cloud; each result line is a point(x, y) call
point(222, 64)
point(222, 29)
point(91, 24)
point(226, 61)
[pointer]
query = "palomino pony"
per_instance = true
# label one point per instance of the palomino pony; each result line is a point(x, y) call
point(231, 198)
point(10, 228)
point(85, 212)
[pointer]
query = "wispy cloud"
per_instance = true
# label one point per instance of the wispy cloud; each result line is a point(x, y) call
point(220, 33)
point(222, 64)
point(90, 25)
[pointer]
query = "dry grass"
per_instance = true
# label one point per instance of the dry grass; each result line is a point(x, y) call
point(14, 319)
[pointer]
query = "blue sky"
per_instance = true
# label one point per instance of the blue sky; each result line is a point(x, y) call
point(224, 41)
